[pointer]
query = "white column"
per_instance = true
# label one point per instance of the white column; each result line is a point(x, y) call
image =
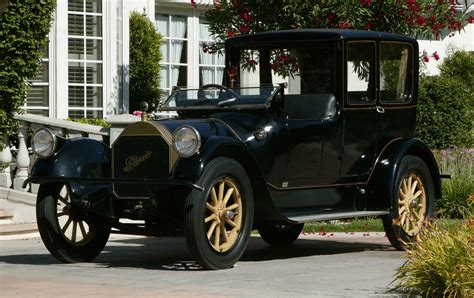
point(60, 46)
point(22, 160)
point(5, 161)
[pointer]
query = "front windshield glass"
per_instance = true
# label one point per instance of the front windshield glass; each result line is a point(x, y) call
point(255, 74)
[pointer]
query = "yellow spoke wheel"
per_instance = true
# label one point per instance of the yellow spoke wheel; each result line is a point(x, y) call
point(223, 217)
point(411, 204)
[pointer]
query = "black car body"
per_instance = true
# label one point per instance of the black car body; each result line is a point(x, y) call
point(325, 132)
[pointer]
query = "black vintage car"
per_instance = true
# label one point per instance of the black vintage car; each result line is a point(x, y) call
point(308, 125)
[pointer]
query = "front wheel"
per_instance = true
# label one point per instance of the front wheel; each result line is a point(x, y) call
point(218, 221)
point(412, 202)
point(68, 233)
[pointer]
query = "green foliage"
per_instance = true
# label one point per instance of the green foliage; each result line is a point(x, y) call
point(145, 56)
point(440, 263)
point(457, 192)
point(415, 18)
point(443, 113)
point(24, 27)
point(460, 66)
point(97, 122)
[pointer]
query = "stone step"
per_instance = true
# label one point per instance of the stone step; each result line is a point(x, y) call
point(6, 214)
point(16, 229)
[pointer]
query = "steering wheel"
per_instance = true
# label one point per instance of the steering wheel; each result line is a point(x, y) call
point(221, 87)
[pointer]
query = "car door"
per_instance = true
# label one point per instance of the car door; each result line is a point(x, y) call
point(360, 112)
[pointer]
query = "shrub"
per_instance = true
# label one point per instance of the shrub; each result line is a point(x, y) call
point(443, 113)
point(98, 122)
point(145, 56)
point(456, 199)
point(460, 65)
point(440, 263)
point(24, 27)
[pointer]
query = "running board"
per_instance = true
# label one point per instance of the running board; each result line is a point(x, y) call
point(299, 217)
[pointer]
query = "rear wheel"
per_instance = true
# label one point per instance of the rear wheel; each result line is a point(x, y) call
point(413, 202)
point(69, 234)
point(218, 220)
point(280, 234)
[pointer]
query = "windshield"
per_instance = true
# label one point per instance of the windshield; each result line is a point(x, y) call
point(254, 75)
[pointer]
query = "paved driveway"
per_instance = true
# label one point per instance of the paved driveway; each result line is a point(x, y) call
point(341, 265)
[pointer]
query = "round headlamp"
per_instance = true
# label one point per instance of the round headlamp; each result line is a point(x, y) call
point(43, 143)
point(186, 141)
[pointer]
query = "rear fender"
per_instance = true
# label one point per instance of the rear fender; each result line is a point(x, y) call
point(382, 181)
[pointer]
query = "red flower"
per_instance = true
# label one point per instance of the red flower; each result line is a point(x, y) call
point(244, 29)
point(230, 34)
point(365, 2)
point(217, 5)
point(435, 55)
point(470, 20)
point(426, 59)
point(193, 3)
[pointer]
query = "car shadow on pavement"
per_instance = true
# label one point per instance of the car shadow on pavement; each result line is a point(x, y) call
point(172, 253)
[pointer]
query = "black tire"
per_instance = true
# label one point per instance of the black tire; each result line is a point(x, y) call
point(90, 235)
point(396, 225)
point(209, 252)
point(280, 235)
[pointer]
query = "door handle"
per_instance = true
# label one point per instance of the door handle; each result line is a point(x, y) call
point(380, 109)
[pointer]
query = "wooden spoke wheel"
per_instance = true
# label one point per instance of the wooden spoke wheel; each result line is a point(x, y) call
point(412, 201)
point(224, 214)
point(73, 227)
point(67, 231)
point(218, 221)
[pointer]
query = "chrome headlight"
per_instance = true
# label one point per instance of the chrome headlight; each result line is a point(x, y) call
point(186, 141)
point(43, 143)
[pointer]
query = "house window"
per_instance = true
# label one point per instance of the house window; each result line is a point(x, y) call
point(37, 101)
point(211, 66)
point(85, 61)
point(174, 63)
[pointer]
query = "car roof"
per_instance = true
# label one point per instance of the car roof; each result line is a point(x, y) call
point(303, 35)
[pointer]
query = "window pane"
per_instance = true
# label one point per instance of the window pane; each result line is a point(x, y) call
point(76, 48)
point(178, 51)
point(94, 97)
point(75, 24)
point(164, 51)
point(39, 112)
point(204, 30)
point(178, 27)
point(162, 24)
point(38, 96)
point(43, 73)
point(76, 96)
point(76, 114)
point(76, 72)
point(179, 76)
point(94, 6)
point(75, 5)
point(93, 49)
point(94, 114)
point(94, 73)
point(93, 26)
point(164, 73)
point(395, 73)
point(360, 73)
point(206, 75)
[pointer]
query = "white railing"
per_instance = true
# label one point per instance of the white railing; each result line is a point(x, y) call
point(15, 162)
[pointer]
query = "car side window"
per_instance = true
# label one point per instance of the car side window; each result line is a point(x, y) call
point(396, 75)
point(360, 72)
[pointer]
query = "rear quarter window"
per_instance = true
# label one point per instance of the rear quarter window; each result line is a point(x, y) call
point(396, 73)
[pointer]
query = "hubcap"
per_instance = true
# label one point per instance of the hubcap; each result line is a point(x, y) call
point(74, 229)
point(223, 216)
point(411, 204)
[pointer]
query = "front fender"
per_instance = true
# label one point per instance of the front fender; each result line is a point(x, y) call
point(77, 158)
point(382, 180)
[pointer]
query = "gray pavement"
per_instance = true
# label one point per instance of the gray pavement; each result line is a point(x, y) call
point(316, 265)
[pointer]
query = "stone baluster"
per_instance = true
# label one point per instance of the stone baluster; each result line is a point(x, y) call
point(22, 159)
point(5, 161)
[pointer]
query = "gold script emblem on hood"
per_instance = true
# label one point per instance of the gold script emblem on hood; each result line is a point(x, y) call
point(134, 161)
